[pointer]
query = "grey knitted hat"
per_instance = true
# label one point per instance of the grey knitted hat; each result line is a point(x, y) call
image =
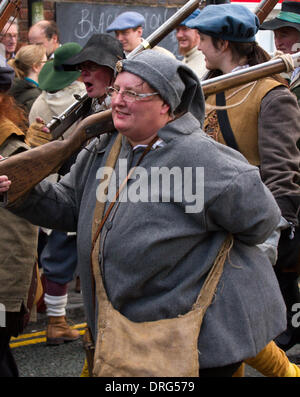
point(176, 83)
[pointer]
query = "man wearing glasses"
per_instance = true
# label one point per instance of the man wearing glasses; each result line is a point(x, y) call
point(9, 38)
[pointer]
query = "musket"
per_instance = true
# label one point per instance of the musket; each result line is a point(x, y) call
point(8, 8)
point(244, 76)
point(59, 124)
point(28, 168)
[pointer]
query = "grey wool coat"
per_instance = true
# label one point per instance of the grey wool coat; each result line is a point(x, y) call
point(155, 253)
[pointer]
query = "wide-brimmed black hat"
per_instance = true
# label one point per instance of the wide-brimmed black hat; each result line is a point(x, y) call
point(289, 16)
point(103, 49)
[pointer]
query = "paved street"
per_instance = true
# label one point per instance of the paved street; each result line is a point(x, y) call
point(40, 360)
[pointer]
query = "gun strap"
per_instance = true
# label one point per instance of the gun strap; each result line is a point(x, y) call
point(100, 216)
point(224, 123)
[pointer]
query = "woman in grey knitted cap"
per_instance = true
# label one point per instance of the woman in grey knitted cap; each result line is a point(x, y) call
point(157, 206)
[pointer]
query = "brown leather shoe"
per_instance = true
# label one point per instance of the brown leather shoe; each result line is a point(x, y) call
point(58, 331)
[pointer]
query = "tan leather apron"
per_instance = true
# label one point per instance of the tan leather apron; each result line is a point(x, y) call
point(162, 348)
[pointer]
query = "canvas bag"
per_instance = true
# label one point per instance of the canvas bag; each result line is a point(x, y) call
point(162, 348)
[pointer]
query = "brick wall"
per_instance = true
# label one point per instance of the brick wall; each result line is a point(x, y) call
point(49, 10)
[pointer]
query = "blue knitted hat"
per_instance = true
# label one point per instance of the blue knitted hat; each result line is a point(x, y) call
point(232, 22)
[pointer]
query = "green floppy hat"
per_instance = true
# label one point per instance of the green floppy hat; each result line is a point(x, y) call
point(53, 77)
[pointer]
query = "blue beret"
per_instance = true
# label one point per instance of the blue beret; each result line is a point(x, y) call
point(191, 16)
point(231, 22)
point(126, 20)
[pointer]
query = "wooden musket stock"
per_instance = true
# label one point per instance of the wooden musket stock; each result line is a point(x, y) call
point(27, 169)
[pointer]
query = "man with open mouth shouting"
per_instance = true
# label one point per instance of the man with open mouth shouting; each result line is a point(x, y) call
point(97, 61)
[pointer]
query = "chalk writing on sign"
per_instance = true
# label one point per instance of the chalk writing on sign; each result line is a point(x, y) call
point(79, 21)
point(91, 23)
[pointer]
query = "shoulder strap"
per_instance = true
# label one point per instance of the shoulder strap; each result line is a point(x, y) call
point(224, 123)
point(209, 287)
point(99, 211)
point(99, 216)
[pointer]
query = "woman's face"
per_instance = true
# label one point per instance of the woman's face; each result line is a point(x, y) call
point(213, 56)
point(138, 120)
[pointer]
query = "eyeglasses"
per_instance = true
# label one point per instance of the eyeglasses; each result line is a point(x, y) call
point(127, 95)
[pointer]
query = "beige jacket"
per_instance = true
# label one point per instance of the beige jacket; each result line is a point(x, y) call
point(195, 60)
point(48, 105)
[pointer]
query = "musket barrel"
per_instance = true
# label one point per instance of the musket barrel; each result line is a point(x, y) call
point(167, 27)
point(244, 76)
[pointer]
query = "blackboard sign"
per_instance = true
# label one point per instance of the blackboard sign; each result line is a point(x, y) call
point(79, 21)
